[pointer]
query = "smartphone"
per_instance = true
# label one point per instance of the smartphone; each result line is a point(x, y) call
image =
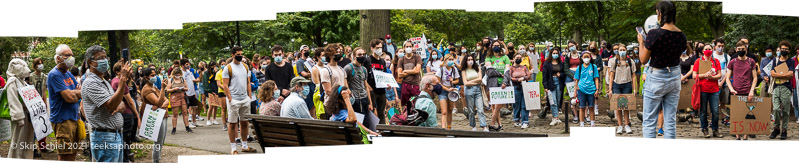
point(641, 31)
point(125, 54)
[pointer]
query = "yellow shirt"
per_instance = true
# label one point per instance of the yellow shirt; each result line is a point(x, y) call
point(219, 78)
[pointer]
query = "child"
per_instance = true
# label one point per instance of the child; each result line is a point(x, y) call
point(587, 78)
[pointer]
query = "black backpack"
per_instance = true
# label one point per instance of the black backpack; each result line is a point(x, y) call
point(411, 116)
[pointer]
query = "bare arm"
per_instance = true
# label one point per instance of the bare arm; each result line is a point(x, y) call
point(70, 96)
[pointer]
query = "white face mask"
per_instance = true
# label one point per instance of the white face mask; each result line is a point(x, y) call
point(408, 49)
point(470, 63)
point(586, 60)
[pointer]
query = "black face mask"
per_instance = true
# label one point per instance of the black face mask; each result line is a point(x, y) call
point(518, 61)
point(361, 59)
point(452, 49)
point(338, 57)
point(486, 45)
point(238, 58)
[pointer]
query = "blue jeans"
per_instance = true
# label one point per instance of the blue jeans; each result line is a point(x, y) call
point(711, 99)
point(796, 102)
point(474, 100)
point(519, 110)
point(555, 97)
point(625, 88)
point(106, 146)
point(662, 87)
point(532, 77)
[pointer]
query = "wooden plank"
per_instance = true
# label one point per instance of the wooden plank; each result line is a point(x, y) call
point(280, 136)
point(321, 141)
point(280, 143)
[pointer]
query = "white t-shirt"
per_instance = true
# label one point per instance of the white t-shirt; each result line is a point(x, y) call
point(239, 83)
point(334, 75)
point(434, 66)
point(723, 63)
point(188, 76)
point(453, 73)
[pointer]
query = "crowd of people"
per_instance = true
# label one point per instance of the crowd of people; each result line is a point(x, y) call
point(336, 82)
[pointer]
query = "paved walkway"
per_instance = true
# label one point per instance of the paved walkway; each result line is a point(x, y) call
point(209, 138)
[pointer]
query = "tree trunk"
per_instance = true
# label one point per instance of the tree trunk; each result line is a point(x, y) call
point(578, 36)
point(113, 50)
point(124, 40)
point(374, 24)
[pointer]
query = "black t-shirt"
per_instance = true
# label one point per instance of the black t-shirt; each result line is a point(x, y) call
point(666, 47)
point(344, 62)
point(281, 75)
point(685, 66)
point(212, 87)
point(375, 64)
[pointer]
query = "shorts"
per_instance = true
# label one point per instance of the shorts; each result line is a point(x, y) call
point(586, 100)
point(444, 95)
point(236, 109)
point(177, 99)
point(192, 101)
point(66, 134)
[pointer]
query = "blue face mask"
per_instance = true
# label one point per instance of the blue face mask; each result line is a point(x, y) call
point(153, 80)
point(388, 41)
point(616, 52)
point(555, 55)
point(497, 49)
point(451, 63)
point(102, 65)
point(276, 94)
point(435, 56)
point(279, 59)
point(324, 59)
point(400, 55)
point(623, 53)
point(636, 51)
point(463, 51)
point(305, 90)
point(572, 48)
point(769, 54)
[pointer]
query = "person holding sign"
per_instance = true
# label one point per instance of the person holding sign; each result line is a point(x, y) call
point(100, 104)
point(587, 78)
point(622, 74)
point(151, 96)
point(782, 89)
point(707, 79)
point(742, 70)
point(517, 74)
point(21, 125)
point(378, 61)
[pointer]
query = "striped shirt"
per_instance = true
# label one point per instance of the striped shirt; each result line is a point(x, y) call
point(95, 93)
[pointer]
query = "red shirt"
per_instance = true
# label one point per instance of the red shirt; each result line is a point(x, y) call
point(708, 85)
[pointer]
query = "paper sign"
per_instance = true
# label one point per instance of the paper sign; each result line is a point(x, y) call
point(39, 115)
point(498, 95)
point(570, 89)
point(420, 46)
point(151, 123)
point(623, 102)
point(685, 94)
point(782, 68)
point(532, 95)
point(750, 117)
point(767, 68)
point(5, 130)
point(704, 67)
point(382, 80)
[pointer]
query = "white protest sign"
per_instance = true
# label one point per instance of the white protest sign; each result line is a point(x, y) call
point(532, 95)
point(501, 96)
point(5, 130)
point(39, 116)
point(382, 80)
point(570, 89)
point(151, 123)
point(420, 46)
point(767, 68)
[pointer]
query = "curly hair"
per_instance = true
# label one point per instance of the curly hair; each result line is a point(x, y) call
point(266, 91)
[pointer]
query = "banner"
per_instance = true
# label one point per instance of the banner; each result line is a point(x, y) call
point(39, 115)
point(498, 95)
point(750, 117)
point(623, 102)
point(151, 122)
point(382, 80)
point(420, 46)
point(532, 95)
point(570, 89)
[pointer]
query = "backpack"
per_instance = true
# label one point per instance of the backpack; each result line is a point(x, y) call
point(629, 64)
point(230, 70)
point(411, 116)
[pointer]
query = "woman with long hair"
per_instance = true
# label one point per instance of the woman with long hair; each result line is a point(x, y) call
point(268, 94)
point(554, 74)
point(177, 99)
point(152, 97)
point(497, 57)
point(448, 74)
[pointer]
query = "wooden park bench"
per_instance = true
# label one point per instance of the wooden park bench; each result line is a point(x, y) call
point(272, 131)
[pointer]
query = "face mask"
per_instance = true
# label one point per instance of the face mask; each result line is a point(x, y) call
point(636, 51)
point(361, 59)
point(531, 48)
point(768, 54)
point(486, 45)
point(452, 49)
point(378, 52)
point(324, 59)
point(400, 55)
point(153, 80)
point(263, 66)
point(779, 53)
point(470, 63)
point(555, 55)
point(163, 72)
point(388, 41)
point(623, 53)
point(186, 67)
point(451, 63)
point(102, 65)
point(338, 57)
point(522, 51)
point(586, 60)
point(40, 67)
point(463, 51)
point(408, 49)
point(279, 59)
point(616, 52)
point(69, 62)
point(305, 90)
point(719, 49)
point(434, 56)
point(478, 47)
point(497, 49)
point(518, 61)
point(572, 48)
point(238, 58)
point(707, 53)
point(276, 94)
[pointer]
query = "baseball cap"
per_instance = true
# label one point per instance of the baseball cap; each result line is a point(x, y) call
point(388, 36)
point(297, 80)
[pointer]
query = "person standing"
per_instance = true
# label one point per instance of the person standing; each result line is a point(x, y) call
point(39, 81)
point(741, 77)
point(554, 73)
point(177, 99)
point(473, 96)
point(409, 69)
point(221, 95)
point(151, 96)
point(586, 87)
point(622, 75)
point(210, 87)
point(236, 82)
point(782, 90)
point(449, 76)
point(22, 135)
point(377, 63)
point(663, 46)
point(708, 84)
point(64, 107)
point(332, 76)
point(100, 104)
point(130, 115)
point(280, 71)
point(356, 79)
point(517, 74)
point(765, 74)
point(497, 58)
point(389, 47)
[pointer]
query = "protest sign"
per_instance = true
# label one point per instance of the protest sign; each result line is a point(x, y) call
point(501, 96)
point(382, 80)
point(704, 67)
point(750, 117)
point(420, 46)
point(37, 110)
point(570, 89)
point(623, 102)
point(685, 94)
point(532, 95)
point(151, 123)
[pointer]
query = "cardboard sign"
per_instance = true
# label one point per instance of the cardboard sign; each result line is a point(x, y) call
point(151, 122)
point(782, 68)
point(623, 102)
point(704, 66)
point(532, 95)
point(420, 46)
point(750, 117)
point(382, 80)
point(570, 89)
point(5, 130)
point(685, 94)
point(39, 115)
point(498, 95)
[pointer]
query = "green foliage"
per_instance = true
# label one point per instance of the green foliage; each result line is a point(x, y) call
point(761, 30)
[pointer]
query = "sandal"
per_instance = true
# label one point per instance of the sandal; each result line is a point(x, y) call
point(248, 150)
point(234, 152)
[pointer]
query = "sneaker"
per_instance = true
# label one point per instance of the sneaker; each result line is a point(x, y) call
point(474, 128)
point(208, 123)
point(224, 127)
point(554, 122)
point(250, 139)
point(517, 124)
point(216, 123)
point(596, 111)
point(619, 129)
point(660, 132)
point(238, 141)
point(174, 131)
point(592, 123)
point(198, 124)
point(485, 129)
point(575, 120)
point(628, 130)
point(797, 121)
point(774, 133)
point(454, 110)
point(716, 134)
point(582, 124)
point(525, 125)
point(190, 118)
point(191, 125)
point(188, 129)
point(200, 119)
point(705, 134)
point(784, 135)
